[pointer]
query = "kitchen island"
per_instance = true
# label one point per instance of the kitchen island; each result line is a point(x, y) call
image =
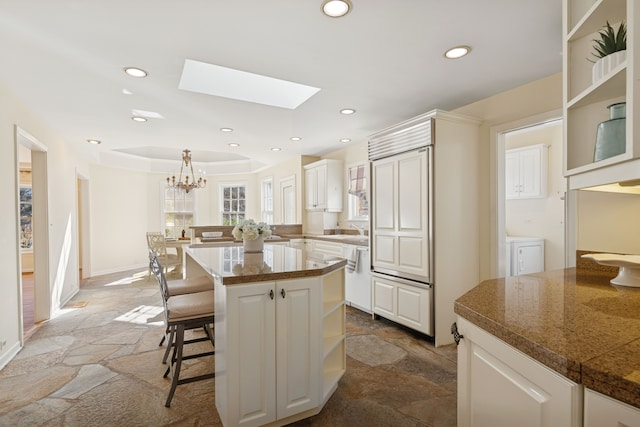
point(279, 331)
point(554, 348)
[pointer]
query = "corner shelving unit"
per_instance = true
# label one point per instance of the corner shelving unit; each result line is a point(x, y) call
point(585, 103)
point(333, 332)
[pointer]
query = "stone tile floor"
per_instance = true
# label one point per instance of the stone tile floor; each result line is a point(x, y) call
point(98, 364)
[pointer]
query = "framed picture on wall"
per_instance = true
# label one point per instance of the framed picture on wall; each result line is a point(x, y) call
point(26, 214)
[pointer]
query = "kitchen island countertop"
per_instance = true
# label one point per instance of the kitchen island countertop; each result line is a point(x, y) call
point(571, 320)
point(232, 266)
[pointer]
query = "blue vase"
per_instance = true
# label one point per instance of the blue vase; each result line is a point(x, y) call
point(611, 138)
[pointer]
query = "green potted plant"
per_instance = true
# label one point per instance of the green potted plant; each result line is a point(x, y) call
point(610, 50)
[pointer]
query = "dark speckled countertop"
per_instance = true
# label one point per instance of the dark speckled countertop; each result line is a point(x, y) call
point(573, 321)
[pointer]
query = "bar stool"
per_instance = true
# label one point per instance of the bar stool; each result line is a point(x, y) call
point(182, 313)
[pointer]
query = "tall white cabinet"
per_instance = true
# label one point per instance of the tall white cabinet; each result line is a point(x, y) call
point(284, 347)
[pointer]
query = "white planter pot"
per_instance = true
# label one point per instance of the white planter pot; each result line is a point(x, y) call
point(603, 66)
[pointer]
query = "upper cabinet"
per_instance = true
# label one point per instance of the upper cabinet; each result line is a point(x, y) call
point(526, 172)
point(324, 185)
point(587, 96)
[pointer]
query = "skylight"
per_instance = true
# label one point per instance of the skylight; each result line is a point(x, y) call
point(243, 86)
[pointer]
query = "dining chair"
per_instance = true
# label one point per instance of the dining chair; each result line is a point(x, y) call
point(157, 243)
point(182, 313)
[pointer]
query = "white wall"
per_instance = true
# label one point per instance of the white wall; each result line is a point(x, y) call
point(525, 101)
point(541, 217)
point(63, 281)
point(608, 222)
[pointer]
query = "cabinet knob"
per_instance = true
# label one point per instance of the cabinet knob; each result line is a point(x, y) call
point(271, 294)
point(283, 293)
point(457, 336)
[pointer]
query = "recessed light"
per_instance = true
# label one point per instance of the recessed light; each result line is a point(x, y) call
point(345, 140)
point(276, 149)
point(138, 119)
point(94, 141)
point(234, 144)
point(296, 138)
point(135, 72)
point(347, 111)
point(336, 8)
point(457, 52)
point(226, 130)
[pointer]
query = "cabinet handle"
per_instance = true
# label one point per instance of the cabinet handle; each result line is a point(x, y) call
point(271, 294)
point(283, 293)
point(457, 336)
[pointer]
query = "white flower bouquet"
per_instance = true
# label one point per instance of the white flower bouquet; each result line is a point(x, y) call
point(250, 230)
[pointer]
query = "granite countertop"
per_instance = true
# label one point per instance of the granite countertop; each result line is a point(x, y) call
point(351, 239)
point(572, 320)
point(232, 266)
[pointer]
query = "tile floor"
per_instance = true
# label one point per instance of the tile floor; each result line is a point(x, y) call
point(98, 363)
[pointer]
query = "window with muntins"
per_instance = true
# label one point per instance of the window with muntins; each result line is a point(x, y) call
point(233, 204)
point(267, 201)
point(178, 211)
point(357, 192)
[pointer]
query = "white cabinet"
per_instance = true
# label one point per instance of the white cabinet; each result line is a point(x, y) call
point(586, 101)
point(327, 248)
point(358, 282)
point(603, 411)
point(500, 386)
point(283, 348)
point(324, 185)
point(525, 255)
point(526, 172)
point(403, 303)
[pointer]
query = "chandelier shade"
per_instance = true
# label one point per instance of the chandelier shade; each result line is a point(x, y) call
point(190, 182)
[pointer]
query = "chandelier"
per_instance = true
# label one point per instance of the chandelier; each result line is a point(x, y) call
point(189, 183)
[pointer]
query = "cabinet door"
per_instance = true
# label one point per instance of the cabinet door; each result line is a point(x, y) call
point(603, 411)
point(401, 214)
point(529, 258)
point(298, 346)
point(531, 173)
point(321, 186)
point(512, 175)
point(311, 188)
point(251, 339)
point(499, 386)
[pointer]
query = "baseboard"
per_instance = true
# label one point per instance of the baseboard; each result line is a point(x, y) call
point(9, 355)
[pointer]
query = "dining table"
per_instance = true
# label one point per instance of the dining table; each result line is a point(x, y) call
point(179, 245)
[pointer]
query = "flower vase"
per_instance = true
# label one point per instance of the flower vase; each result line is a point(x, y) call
point(253, 245)
point(611, 137)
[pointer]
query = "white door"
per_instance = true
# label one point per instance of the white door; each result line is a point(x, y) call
point(311, 188)
point(251, 353)
point(288, 197)
point(298, 345)
point(401, 215)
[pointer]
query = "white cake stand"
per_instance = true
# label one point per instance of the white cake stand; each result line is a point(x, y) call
point(629, 273)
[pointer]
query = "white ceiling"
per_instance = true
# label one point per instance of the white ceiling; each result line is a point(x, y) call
point(64, 58)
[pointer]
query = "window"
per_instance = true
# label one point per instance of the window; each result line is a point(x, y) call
point(233, 204)
point(178, 211)
point(357, 192)
point(267, 201)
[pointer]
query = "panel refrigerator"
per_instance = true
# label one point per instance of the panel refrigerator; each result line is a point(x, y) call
point(401, 227)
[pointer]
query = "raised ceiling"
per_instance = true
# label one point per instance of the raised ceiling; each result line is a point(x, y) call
point(65, 59)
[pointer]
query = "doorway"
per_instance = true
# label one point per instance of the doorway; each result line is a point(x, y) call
point(33, 231)
point(288, 198)
point(82, 205)
point(541, 217)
